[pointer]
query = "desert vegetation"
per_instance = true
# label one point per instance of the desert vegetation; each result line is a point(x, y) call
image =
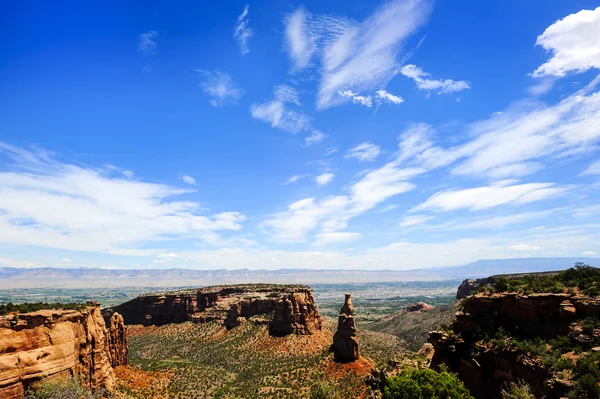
point(580, 278)
point(207, 361)
point(35, 306)
point(425, 384)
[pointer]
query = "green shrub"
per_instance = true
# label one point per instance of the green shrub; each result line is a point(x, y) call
point(323, 391)
point(59, 388)
point(425, 384)
point(35, 306)
point(517, 391)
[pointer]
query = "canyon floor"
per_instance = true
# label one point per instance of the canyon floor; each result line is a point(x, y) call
point(206, 361)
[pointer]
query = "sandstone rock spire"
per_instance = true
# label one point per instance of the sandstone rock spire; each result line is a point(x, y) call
point(345, 342)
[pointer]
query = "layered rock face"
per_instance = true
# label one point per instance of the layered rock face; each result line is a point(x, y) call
point(484, 367)
point(345, 342)
point(292, 306)
point(117, 341)
point(52, 343)
point(296, 314)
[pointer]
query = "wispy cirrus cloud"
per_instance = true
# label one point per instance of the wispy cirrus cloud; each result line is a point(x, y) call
point(146, 44)
point(487, 197)
point(315, 137)
point(364, 152)
point(88, 209)
point(283, 111)
point(573, 42)
point(516, 142)
point(423, 81)
point(242, 32)
point(188, 179)
point(593, 169)
point(220, 87)
point(354, 56)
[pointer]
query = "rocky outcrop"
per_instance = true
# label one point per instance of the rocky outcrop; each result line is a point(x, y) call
point(117, 341)
point(345, 342)
point(52, 343)
point(292, 307)
point(485, 367)
point(470, 286)
point(417, 307)
point(296, 314)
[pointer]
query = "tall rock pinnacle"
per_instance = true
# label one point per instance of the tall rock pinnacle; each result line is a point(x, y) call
point(345, 342)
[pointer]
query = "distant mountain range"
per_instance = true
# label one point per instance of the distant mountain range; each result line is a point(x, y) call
point(47, 277)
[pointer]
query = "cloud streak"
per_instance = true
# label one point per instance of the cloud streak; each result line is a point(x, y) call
point(86, 209)
point(242, 32)
point(354, 56)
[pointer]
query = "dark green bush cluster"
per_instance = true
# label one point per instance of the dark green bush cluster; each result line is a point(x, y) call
point(584, 277)
point(425, 384)
point(35, 306)
point(587, 375)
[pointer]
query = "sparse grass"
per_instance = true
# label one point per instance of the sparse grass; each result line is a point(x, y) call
point(35, 306)
point(582, 278)
point(206, 361)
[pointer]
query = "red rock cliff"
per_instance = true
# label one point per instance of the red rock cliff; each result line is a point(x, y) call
point(292, 306)
point(485, 368)
point(52, 343)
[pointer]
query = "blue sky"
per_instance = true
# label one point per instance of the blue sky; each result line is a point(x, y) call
point(355, 134)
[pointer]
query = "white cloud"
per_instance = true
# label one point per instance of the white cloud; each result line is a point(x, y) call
point(295, 178)
point(331, 151)
point(86, 209)
point(188, 179)
point(65, 260)
point(404, 255)
point(220, 87)
point(330, 214)
point(364, 152)
point(125, 172)
point(516, 142)
point(299, 40)
point(589, 253)
point(356, 56)
point(324, 178)
point(386, 97)
point(494, 222)
point(574, 44)
point(146, 44)
point(242, 32)
point(593, 169)
point(414, 220)
point(335, 238)
point(277, 113)
point(286, 94)
point(524, 247)
point(439, 86)
point(542, 87)
point(315, 137)
point(490, 196)
point(365, 101)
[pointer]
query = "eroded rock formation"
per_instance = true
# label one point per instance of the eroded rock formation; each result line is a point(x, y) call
point(484, 367)
point(295, 314)
point(345, 342)
point(52, 343)
point(292, 307)
point(117, 341)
